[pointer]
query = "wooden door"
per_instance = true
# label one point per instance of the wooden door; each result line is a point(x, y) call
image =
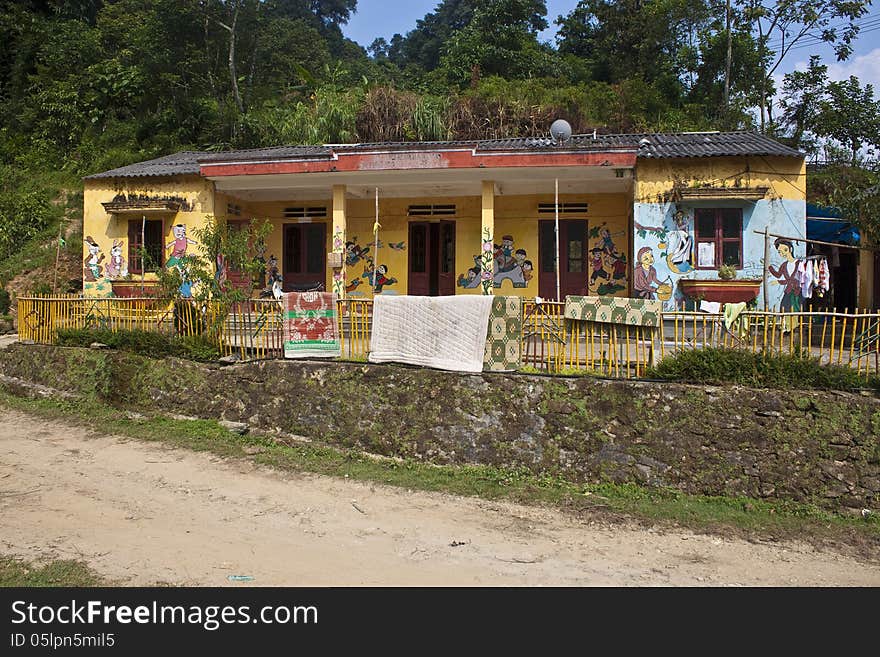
point(573, 270)
point(446, 259)
point(305, 257)
point(419, 279)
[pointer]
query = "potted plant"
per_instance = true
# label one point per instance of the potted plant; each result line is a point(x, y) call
point(727, 288)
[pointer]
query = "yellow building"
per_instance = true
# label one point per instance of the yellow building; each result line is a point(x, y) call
point(463, 217)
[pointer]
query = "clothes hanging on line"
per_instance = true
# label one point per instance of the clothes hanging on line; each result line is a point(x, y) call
point(823, 277)
point(804, 272)
point(813, 276)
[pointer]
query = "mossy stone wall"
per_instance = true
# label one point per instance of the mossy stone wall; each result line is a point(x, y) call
point(816, 446)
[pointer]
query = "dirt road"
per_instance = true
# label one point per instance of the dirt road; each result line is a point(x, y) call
point(140, 513)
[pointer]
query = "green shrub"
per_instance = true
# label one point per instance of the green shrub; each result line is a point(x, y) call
point(197, 347)
point(144, 343)
point(5, 301)
point(763, 370)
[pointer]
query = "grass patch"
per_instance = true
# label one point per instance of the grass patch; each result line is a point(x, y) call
point(758, 370)
point(18, 572)
point(144, 343)
point(664, 506)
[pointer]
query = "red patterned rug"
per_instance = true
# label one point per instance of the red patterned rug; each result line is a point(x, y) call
point(310, 326)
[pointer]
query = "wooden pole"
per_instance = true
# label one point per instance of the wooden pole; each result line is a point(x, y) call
point(804, 239)
point(57, 256)
point(766, 266)
point(556, 216)
point(376, 240)
point(143, 252)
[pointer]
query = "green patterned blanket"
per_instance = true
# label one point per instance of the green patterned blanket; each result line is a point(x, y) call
point(504, 339)
point(614, 310)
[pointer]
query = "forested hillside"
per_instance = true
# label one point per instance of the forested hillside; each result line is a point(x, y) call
point(89, 85)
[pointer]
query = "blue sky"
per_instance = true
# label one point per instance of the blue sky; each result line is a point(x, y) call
point(376, 18)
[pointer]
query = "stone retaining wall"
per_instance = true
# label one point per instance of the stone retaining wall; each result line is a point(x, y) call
point(816, 446)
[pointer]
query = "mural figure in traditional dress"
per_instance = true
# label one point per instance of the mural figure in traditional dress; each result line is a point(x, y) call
point(381, 279)
point(787, 274)
point(645, 276)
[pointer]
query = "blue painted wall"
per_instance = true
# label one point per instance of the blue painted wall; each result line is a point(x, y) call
point(784, 217)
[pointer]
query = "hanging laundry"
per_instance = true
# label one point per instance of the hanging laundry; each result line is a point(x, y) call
point(735, 322)
point(824, 279)
point(805, 276)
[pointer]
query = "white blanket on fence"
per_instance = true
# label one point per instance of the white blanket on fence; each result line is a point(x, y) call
point(447, 333)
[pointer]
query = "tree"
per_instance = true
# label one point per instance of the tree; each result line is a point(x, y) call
point(423, 45)
point(500, 39)
point(836, 115)
point(850, 115)
point(802, 94)
point(728, 72)
point(654, 40)
point(782, 24)
point(855, 191)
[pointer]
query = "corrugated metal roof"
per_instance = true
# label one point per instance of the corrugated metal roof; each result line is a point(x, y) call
point(711, 144)
point(176, 164)
point(646, 145)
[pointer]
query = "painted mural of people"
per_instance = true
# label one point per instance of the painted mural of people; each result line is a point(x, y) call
point(504, 256)
point(470, 280)
point(681, 246)
point(786, 274)
point(645, 281)
point(618, 267)
point(381, 279)
point(116, 266)
point(179, 244)
point(354, 253)
point(221, 272)
point(597, 263)
point(92, 263)
point(607, 244)
point(508, 265)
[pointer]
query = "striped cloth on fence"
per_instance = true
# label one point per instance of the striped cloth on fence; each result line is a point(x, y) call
point(310, 326)
point(504, 340)
point(614, 310)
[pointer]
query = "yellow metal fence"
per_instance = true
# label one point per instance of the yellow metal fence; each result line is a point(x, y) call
point(253, 330)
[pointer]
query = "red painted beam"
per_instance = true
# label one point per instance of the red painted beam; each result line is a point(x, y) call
point(422, 160)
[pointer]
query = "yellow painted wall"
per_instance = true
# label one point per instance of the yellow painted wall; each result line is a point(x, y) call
point(514, 215)
point(104, 228)
point(785, 176)
point(518, 217)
